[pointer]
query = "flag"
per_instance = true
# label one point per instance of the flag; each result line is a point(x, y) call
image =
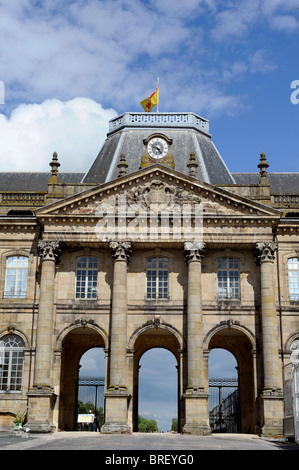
point(151, 101)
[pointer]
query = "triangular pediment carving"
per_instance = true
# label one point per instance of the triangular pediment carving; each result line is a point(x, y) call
point(150, 205)
point(157, 189)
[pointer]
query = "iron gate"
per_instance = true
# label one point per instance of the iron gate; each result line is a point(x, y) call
point(224, 405)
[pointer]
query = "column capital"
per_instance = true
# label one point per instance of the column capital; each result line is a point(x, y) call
point(194, 251)
point(49, 250)
point(121, 251)
point(265, 251)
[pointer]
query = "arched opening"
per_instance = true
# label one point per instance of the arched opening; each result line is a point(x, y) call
point(75, 344)
point(157, 350)
point(223, 391)
point(92, 380)
point(235, 341)
point(158, 390)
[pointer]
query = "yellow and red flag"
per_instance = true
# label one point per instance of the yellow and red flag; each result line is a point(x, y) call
point(151, 101)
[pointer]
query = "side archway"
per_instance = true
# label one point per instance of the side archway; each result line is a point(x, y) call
point(240, 342)
point(74, 342)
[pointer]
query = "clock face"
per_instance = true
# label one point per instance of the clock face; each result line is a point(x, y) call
point(157, 148)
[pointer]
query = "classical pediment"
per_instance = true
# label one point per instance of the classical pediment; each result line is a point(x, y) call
point(157, 189)
point(152, 204)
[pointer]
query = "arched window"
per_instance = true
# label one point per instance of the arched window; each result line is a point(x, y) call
point(11, 363)
point(157, 278)
point(86, 277)
point(293, 268)
point(228, 278)
point(295, 351)
point(16, 277)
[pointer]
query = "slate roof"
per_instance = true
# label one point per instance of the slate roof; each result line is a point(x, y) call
point(280, 183)
point(34, 181)
point(186, 137)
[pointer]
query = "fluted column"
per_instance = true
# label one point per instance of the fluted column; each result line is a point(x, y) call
point(116, 396)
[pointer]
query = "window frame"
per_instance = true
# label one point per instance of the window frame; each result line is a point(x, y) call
point(293, 283)
point(156, 284)
point(231, 284)
point(17, 277)
point(13, 357)
point(86, 281)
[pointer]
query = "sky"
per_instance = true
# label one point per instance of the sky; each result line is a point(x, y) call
point(68, 66)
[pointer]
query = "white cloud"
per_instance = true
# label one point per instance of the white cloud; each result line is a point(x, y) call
point(75, 129)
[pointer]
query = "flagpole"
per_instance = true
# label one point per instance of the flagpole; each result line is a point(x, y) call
point(159, 96)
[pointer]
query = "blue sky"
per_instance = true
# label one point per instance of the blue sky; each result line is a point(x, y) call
point(68, 66)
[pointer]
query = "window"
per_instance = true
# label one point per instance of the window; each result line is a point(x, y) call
point(295, 352)
point(228, 278)
point(11, 363)
point(16, 277)
point(86, 277)
point(293, 267)
point(157, 278)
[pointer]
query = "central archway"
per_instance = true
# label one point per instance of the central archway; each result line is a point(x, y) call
point(158, 387)
point(155, 336)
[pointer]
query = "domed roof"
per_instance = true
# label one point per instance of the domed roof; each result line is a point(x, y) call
point(186, 132)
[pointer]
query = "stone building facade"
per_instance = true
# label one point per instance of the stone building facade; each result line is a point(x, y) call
point(157, 245)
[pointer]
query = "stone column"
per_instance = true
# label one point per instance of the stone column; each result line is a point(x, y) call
point(116, 396)
point(272, 390)
point(196, 398)
point(41, 396)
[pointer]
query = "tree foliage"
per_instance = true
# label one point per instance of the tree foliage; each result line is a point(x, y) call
point(146, 425)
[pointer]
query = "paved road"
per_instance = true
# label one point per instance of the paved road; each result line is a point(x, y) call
point(145, 444)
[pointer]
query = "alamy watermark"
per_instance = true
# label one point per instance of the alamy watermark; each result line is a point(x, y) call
point(295, 93)
point(132, 222)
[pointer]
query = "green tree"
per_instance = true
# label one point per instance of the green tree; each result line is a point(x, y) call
point(146, 425)
point(174, 425)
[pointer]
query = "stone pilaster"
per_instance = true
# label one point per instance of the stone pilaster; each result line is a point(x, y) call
point(196, 398)
point(272, 397)
point(116, 396)
point(41, 396)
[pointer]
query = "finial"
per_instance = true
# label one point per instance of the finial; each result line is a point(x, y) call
point(54, 165)
point(192, 165)
point(263, 165)
point(122, 165)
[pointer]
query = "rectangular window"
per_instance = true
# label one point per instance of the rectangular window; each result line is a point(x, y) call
point(157, 278)
point(228, 278)
point(293, 268)
point(16, 277)
point(86, 277)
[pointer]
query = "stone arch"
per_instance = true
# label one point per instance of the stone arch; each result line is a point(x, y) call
point(233, 326)
point(71, 344)
point(154, 334)
point(82, 324)
point(160, 328)
point(239, 341)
